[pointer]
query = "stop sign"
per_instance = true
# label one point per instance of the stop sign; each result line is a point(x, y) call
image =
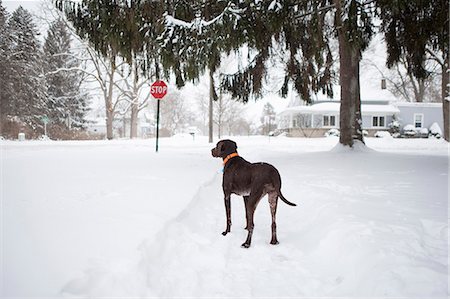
point(158, 89)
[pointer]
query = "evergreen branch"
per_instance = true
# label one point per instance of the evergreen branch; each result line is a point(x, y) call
point(325, 8)
point(197, 23)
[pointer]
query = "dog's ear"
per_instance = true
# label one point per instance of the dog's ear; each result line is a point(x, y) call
point(234, 145)
point(228, 147)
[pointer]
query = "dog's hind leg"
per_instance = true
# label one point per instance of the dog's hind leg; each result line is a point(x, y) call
point(252, 202)
point(273, 201)
point(246, 210)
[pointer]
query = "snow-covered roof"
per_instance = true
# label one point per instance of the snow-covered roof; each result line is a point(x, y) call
point(409, 104)
point(334, 107)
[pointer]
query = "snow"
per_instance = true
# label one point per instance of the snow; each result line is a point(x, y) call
point(435, 129)
point(409, 127)
point(382, 134)
point(115, 219)
point(415, 104)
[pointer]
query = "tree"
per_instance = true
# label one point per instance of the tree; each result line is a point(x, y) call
point(228, 114)
point(4, 52)
point(134, 90)
point(268, 119)
point(67, 103)
point(24, 101)
point(175, 113)
point(194, 38)
point(194, 34)
point(405, 85)
point(415, 30)
point(353, 21)
point(115, 29)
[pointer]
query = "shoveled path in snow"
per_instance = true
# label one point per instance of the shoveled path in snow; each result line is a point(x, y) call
point(367, 224)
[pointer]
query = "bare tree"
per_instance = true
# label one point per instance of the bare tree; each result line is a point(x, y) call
point(121, 85)
point(227, 113)
point(135, 91)
point(404, 85)
point(175, 113)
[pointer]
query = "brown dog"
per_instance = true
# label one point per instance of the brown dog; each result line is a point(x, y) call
point(250, 180)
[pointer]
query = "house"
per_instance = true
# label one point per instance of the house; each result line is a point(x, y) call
point(316, 119)
point(121, 126)
point(420, 115)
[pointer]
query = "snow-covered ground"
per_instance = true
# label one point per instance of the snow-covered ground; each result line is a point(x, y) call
point(96, 219)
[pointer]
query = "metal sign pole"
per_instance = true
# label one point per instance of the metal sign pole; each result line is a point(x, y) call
point(158, 90)
point(157, 124)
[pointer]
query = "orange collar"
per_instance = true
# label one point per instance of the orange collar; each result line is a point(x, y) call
point(229, 157)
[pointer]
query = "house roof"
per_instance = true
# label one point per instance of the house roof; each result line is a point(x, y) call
point(334, 107)
point(409, 104)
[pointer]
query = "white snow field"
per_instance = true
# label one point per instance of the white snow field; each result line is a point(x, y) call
point(115, 219)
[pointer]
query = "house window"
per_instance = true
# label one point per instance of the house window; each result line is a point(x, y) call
point(418, 120)
point(329, 120)
point(378, 121)
point(302, 121)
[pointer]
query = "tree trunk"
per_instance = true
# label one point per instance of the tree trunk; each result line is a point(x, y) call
point(108, 102)
point(220, 114)
point(211, 102)
point(134, 119)
point(109, 122)
point(350, 110)
point(446, 98)
point(135, 102)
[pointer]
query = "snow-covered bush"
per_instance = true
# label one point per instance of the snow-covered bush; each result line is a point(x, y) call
point(394, 127)
point(423, 133)
point(409, 131)
point(365, 133)
point(435, 131)
point(383, 134)
point(44, 138)
point(332, 132)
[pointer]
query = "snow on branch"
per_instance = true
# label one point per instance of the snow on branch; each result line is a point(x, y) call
point(198, 24)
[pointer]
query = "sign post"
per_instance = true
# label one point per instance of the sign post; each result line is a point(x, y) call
point(158, 90)
point(45, 121)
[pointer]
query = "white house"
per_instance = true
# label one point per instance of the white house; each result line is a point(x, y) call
point(316, 119)
point(420, 115)
point(121, 126)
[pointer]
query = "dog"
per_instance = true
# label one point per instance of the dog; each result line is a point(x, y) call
point(250, 180)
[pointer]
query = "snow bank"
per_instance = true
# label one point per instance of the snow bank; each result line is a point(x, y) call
point(358, 147)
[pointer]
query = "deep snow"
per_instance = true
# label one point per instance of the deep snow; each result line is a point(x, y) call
point(95, 219)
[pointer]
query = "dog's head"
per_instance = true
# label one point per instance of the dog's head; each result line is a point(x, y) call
point(224, 148)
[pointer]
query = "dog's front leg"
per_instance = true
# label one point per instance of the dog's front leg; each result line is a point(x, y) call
point(228, 213)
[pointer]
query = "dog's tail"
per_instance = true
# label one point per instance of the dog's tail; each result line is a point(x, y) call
point(285, 200)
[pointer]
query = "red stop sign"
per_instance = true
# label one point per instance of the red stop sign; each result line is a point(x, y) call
point(158, 89)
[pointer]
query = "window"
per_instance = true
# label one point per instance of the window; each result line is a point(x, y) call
point(418, 120)
point(329, 120)
point(378, 121)
point(303, 120)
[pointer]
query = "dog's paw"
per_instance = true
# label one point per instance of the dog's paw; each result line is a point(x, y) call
point(274, 242)
point(224, 233)
point(245, 245)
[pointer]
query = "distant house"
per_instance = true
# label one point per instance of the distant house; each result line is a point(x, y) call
point(420, 115)
point(316, 119)
point(121, 126)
